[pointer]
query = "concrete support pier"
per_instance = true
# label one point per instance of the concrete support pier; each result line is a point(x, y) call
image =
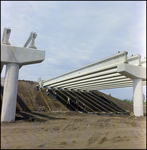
point(138, 74)
point(138, 97)
point(10, 92)
point(14, 58)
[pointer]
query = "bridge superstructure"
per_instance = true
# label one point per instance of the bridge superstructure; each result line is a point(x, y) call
point(116, 71)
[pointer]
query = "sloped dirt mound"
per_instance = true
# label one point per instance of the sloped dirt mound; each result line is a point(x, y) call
point(123, 105)
point(29, 99)
point(36, 100)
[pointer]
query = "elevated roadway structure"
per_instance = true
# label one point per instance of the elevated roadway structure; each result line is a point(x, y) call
point(116, 71)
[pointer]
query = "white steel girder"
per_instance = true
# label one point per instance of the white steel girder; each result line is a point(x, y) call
point(97, 83)
point(105, 86)
point(89, 77)
point(109, 62)
point(88, 81)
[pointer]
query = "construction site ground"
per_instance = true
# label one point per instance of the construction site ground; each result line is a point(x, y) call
point(73, 130)
point(42, 123)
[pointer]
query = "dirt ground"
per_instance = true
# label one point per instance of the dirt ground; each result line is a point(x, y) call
point(59, 128)
point(74, 130)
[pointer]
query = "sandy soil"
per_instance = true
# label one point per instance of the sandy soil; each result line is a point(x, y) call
point(73, 130)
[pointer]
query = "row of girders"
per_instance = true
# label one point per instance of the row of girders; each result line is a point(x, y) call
point(105, 77)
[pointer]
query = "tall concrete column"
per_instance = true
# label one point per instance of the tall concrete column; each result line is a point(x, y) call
point(138, 97)
point(10, 92)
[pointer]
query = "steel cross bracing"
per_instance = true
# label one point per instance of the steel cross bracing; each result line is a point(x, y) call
point(116, 71)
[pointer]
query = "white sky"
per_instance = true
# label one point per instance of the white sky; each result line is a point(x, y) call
point(76, 33)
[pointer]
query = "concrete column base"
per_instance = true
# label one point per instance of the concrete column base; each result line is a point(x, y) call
point(10, 92)
point(138, 97)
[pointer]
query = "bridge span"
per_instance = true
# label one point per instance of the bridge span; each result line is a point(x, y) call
point(116, 71)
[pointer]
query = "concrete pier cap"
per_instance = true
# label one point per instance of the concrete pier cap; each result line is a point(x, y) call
point(14, 58)
point(21, 55)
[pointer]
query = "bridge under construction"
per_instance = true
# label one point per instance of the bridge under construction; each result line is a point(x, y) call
point(116, 71)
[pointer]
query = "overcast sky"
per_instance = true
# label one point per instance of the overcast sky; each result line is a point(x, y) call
point(76, 33)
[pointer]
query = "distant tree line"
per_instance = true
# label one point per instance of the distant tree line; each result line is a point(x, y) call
point(130, 101)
